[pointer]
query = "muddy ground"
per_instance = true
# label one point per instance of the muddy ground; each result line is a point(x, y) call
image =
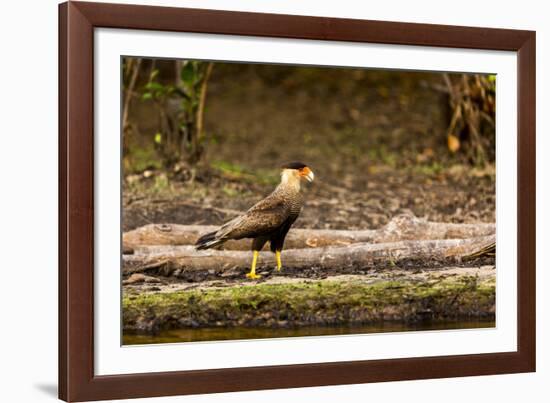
point(370, 201)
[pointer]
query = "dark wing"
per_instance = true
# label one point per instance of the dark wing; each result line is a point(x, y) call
point(262, 218)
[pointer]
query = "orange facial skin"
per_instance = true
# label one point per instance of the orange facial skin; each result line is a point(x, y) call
point(306, 173)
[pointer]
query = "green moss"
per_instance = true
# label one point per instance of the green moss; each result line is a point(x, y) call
point(142, 158)
point(239, 172)
point(311, 303)
point(434, 168)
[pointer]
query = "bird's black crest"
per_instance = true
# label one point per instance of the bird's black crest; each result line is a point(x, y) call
point(293, 165)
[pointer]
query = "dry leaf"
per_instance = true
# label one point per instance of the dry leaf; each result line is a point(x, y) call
point(453, 143)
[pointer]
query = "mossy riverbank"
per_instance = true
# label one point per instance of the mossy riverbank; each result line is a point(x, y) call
point(340, 300)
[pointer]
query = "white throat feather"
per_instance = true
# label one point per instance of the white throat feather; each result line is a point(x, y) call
point(290, 179)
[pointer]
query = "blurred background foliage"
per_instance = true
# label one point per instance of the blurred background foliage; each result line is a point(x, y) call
point(187, 117)
point(202, 141)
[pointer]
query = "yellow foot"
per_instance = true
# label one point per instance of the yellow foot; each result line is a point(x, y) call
point(253, 276)
point(279, 264)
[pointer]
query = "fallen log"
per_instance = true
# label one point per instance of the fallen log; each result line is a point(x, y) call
point(168, 259)
point(400, 228)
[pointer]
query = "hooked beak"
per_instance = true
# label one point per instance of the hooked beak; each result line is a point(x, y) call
point(309, 175)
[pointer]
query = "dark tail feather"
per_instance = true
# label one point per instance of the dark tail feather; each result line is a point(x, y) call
point(208, 241)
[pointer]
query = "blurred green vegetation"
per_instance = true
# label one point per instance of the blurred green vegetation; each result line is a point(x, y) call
point(179, 105)
point(187, 117)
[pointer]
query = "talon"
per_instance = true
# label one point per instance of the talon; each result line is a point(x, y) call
point(253, 276)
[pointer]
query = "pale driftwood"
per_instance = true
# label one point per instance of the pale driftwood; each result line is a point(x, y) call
point(400, 228)
point(168, 258)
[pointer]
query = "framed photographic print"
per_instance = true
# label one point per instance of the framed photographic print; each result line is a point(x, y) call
point(256, 201)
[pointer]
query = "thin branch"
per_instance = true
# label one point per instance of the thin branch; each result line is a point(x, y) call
point(202, 101)
point(129, 93)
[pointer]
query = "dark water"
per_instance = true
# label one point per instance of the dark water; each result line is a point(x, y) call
point(240, 333)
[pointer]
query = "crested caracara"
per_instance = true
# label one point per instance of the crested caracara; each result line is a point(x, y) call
point(268, 220)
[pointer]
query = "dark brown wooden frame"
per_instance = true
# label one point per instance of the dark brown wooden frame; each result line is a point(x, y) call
point(77, 21)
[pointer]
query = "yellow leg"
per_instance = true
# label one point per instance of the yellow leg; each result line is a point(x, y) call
point(278, 256)
point(252, 275)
